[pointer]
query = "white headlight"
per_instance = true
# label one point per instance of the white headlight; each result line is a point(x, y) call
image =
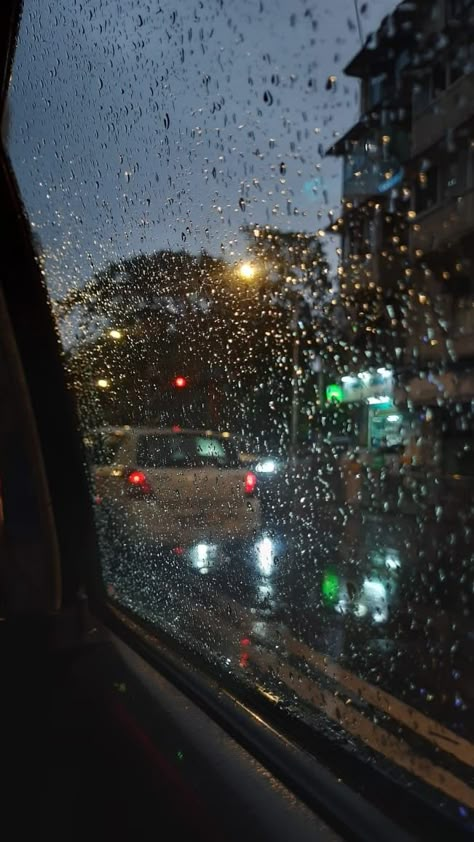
point(266, 467)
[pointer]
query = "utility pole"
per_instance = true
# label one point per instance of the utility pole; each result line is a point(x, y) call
point(318, 367)
point(359, 25)
point(295, 398)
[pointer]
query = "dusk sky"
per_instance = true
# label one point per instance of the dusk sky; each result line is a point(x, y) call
point(136, 126)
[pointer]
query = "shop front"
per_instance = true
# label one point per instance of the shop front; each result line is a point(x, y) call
point(371, 472)
point(381, 424)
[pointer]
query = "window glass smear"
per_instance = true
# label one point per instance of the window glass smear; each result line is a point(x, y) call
point(255, 222)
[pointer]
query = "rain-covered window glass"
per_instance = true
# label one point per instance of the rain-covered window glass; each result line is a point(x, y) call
point(422, 91)
point(187, 450)
point(427, 184)
point(102, 447)
point(255, 222)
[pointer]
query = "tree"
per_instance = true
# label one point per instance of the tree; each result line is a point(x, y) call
point(144, 320)
point(299, 305)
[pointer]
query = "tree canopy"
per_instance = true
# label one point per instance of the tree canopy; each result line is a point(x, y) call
point(142, 321)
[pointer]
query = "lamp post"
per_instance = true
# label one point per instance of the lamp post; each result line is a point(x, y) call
point(249, 272)
point(115, 333)
point(295, 368)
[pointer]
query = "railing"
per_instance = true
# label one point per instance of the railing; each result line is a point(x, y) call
point(374, 165)
point(443, 224)
point(443, 114)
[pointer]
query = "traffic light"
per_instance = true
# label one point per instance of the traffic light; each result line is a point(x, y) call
point(180, 382)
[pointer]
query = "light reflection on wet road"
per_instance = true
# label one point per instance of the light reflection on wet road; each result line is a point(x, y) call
point(341, 610)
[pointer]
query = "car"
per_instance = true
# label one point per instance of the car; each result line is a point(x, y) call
point(175, 487)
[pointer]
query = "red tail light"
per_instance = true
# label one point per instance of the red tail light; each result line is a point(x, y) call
point(250, 483)
point(137, 481)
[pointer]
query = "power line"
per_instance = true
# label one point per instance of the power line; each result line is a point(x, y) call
point(359, 25)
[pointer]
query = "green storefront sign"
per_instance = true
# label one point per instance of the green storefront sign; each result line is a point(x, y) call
point(334, 393)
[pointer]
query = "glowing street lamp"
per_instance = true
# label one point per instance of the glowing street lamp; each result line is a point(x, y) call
point(115, 334)
point(103, 383)
point(247, 271)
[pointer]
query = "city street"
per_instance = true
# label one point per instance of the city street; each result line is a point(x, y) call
point(341, 610)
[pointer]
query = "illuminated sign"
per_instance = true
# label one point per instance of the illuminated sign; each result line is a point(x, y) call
point(391, 182)
point(330, 587)
point(334, 393)
point(370, 387)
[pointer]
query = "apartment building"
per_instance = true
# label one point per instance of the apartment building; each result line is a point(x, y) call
point(407, 221)
point(374, 226)
point(439, 346)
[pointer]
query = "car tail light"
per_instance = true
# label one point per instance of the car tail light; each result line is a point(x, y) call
point(250, 483)
point(137, 482)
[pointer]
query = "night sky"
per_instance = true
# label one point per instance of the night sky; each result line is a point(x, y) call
point(135, 126)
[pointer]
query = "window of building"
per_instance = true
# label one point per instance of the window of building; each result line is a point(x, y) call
point(457, 66)
point(439, 77)
point(375, 90)
point(456, 8)
point(426, 191)
point(454, 173)
point(401, 62)
point(422, 92)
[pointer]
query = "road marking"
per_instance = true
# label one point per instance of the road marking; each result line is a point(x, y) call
point(354, 722)
point(418, 722)
point(421, 724)
point(235, 619)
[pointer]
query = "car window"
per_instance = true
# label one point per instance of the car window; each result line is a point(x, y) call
point(102, 448)
point(186, 451)
point(255, 221)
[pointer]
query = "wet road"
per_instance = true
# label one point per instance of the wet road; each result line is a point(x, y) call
point(364, 618)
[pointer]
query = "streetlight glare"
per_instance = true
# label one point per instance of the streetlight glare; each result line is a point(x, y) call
point(103, 383)
point(247, 271)
point(115, 334)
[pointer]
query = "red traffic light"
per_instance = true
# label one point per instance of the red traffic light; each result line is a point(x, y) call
point(180, 382)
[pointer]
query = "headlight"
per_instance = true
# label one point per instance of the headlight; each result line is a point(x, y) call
point(268, 466)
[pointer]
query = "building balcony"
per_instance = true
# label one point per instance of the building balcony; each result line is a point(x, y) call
point(447, 111)
point(441, 226)
point(435, 390)
point(374, 165)
point(463, 330)
point(434, 344)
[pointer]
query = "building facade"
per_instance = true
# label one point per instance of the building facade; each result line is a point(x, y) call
point(439, 347)
point(407, 222)
point(374, 226)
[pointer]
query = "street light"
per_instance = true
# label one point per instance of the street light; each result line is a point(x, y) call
point(103, 383)
point(115, 334)
point(247, 271)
